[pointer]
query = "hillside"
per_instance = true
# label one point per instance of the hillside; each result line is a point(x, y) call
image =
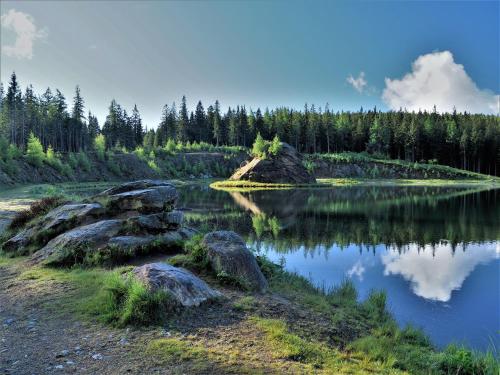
point(116, 166)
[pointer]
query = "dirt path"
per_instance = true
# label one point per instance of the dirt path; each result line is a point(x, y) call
point(37, 336)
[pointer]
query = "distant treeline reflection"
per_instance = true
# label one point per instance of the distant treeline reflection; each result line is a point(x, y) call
point(365, 216)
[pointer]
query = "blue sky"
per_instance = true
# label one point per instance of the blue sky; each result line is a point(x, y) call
point(257, 53)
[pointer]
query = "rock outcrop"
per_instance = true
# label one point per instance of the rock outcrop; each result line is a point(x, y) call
point(187, 289)
point(122, 222)
point(285, 167)
point(56, 221)
point(228, 254)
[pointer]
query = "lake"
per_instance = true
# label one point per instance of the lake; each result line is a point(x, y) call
point(434, 250)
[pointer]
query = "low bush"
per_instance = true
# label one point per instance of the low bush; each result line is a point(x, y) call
point(35, 210)
point(34, 151)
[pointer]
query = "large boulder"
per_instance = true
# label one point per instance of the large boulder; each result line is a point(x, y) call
point(228, 254)
point(156, 199)
point(187, 289)
point(56, 221)
point(285, 167)
point(135, 218)
point(75, 245)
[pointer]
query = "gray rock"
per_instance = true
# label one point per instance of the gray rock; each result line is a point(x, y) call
point(70, 215)
point(158, 222)
point(134, 185)
point(19, 241)
point(187, 289)
point(70, 247)
point(286, 167)
point(227, 252)
point(161, 198)
point(56, 221)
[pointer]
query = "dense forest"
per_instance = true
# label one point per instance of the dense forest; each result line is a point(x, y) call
point(463, 140)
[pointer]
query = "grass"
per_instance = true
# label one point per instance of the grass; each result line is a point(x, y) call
point(367, 327)
point(432, 170)
point(244, 185)
point(175, 351)
point(112, 297)
point(316, 355)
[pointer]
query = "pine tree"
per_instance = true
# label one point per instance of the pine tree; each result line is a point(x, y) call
point(183, 122)
point(137, 126)
point(217, 126)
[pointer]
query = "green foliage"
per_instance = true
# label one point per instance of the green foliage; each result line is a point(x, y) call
point(84, 162)
point(36, 209)
point(100, 146)
point(34, 151)
point(170, 146)
point(153, 166)
point(54, 160)
point(275, 146)
point(14, 152)
point(123, 300)
point(259, 148)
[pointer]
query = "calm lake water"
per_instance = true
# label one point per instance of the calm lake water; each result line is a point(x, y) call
point(434, 250)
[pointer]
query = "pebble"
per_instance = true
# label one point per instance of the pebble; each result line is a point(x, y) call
point(123, 341)
point(70, 363)
point(97, 356)
point(59, 367)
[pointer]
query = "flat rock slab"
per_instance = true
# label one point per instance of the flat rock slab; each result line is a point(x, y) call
point(69, 247)
point(228, 253)
point(134, 185)
point(157, 199)
point(187, 289)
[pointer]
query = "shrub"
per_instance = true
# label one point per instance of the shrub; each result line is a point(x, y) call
point(36, 209)
point(275, 146)
point(259, 147)
point(100, 146)
point(141, 154)
point(153, 166)
point(170, 146)
point(34, 151)
point(14, 152)
point(84, 162)
point(54, 160)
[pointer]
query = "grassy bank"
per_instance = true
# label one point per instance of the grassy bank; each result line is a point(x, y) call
point(243, 186)
point(322, 331)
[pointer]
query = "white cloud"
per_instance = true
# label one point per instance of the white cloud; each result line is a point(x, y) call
point(437, 80)
point(23, 25)
point(357, 270)
point(359, 83)
point(434, 275)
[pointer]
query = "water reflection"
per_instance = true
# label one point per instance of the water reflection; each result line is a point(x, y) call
point(434, 250)
point(436, 271)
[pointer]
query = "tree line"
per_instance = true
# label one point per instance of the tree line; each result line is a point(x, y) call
point(463, 140)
